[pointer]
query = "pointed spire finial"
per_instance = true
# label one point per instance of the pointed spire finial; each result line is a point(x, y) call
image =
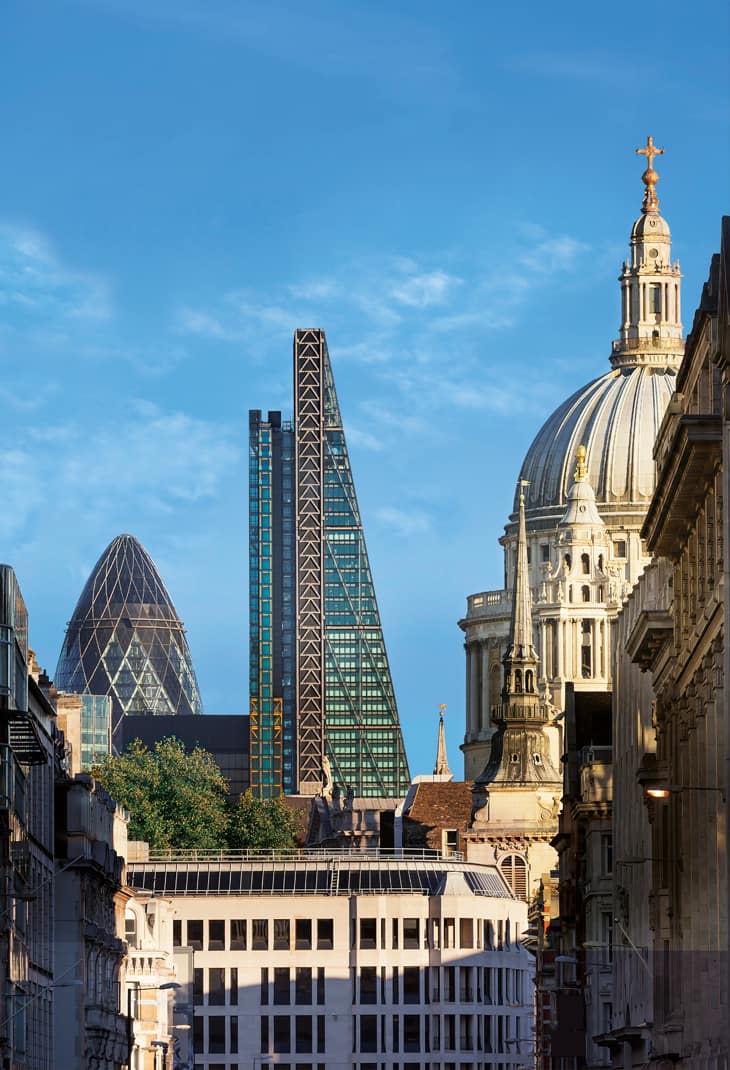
point(581, 468)
point(520, 641)
point(650, 176)
point(441, 768)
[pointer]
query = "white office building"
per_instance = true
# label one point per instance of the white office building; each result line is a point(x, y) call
point(317, 960)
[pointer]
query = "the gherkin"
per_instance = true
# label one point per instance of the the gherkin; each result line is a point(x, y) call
point(126, 640)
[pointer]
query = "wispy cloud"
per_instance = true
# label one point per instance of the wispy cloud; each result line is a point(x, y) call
point(423, 290)
point(404, 522)
point(366, 440)
point(427, 329)
point(150, 461)
point(36, 283)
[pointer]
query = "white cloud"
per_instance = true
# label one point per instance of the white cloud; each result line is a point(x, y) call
point(421, 291)
point(33, 279)
point(364, 439)
point(403, 522)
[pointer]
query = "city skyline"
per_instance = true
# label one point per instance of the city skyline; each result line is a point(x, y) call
point(158, 340)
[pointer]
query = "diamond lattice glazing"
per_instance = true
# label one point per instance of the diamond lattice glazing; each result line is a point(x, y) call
point(126, 640)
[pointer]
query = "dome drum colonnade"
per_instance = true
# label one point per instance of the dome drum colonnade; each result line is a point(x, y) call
point(585, 551)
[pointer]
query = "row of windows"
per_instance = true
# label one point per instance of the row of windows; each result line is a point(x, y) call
point(241, 934)
point(434, 934)
point(425, 1033)
point(284, 1033)
point(448, 984)
point(304, 934)
point(360, 1065)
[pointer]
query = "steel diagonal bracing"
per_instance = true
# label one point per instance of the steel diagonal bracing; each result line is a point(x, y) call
point(309, 356)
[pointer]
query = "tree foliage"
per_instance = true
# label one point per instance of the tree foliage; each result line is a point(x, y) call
point(262, 823)
point(177, 800)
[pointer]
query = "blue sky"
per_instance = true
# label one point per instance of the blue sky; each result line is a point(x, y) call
point(447, 189)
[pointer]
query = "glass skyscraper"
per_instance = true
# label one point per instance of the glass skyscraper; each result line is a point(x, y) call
point(125, 639)
point(321, 694)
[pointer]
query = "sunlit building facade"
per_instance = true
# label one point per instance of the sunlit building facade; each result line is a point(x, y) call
point(125, 639)
point(320, 678)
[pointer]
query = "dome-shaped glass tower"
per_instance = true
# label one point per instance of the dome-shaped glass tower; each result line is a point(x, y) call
point(126, 640)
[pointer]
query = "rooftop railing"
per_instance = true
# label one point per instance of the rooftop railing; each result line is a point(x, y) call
point(313, 854)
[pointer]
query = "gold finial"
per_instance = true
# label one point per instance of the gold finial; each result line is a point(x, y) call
point(442, 707)
point(650, 177)
point(522, 484)
point(581, 468)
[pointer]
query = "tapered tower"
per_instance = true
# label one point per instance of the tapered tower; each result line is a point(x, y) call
point(517, 795)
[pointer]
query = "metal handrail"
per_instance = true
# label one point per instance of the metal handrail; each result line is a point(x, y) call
point(313, 854)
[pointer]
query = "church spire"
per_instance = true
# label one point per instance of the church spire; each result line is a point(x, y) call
point(520, 638)
point(441, 768)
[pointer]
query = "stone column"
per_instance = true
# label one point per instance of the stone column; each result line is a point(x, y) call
point(484, 704)
point(473, 688)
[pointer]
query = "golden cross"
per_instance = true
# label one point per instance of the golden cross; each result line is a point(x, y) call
point(650, 151)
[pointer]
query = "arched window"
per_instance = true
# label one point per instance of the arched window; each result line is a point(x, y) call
point(568, 561)
point(514, 870)
point(570, 593)
point(600, 562)
point(529, 681)
point(585, 564)
point(585, 592)
point(518, 680)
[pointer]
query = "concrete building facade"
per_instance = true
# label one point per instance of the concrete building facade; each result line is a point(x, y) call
point(397, 960)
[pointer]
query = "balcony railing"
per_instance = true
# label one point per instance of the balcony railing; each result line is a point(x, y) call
point(377, 854)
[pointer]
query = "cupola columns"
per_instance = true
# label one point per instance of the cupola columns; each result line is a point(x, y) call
point(651, 324)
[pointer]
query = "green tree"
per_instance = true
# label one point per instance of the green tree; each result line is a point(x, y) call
point(262, 823)
point(175, 799)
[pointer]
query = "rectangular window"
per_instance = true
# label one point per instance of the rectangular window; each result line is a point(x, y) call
point(368, 1032)
point(198, 1037)
point(216, 935)
point(449, 932)
point(264, 1036)
point(264, 986)
point(450, 984)
point(234, 1035)
point(449, 1032)
point(368, 984)
point(395, 934)
point(216, 986)
point(368, 933)
point(303, 986)
point(544, 551)
point(606, 854)
point(320, 986)
point(411, 1032)
point(238, 934)
point(396, 993)
point(619, 548)
point(282, 1034)
point(177, 933)
point(282, 938)
point(260, 934)
point(410, 933)
point(233, 987)
point(465, 1033)
point(195, 935)
point(396, 1032)
point(325, 934)
point(411, 984)
point(303, 1033)
point(303, 934)
point(281, 985)
point(198, 987)
point(465, 984)
point(217, 1034)
point(321, 1035)
point(466, 933)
